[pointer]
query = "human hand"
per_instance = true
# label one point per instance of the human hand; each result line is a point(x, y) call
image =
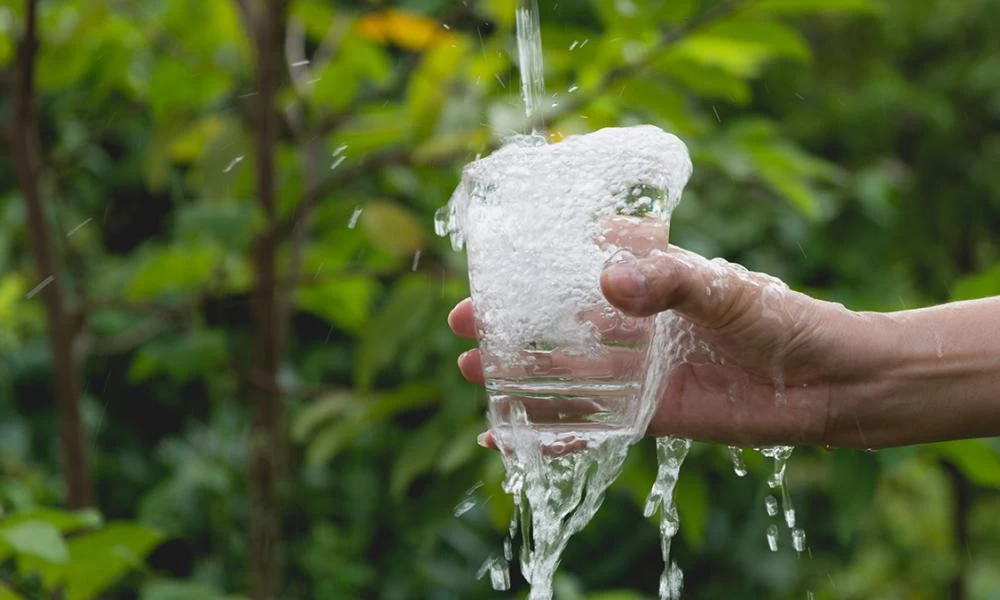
point(763, 361)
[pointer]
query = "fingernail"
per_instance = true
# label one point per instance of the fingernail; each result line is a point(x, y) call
point(626, 280)
point(481, 439)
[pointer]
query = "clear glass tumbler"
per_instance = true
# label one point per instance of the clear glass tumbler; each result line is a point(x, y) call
point(540, 222)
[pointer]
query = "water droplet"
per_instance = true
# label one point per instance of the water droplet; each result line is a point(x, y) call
point(771, 505)
point(233, 163)
point(772, 537)
point(573, 88)
point(353, 221)
point(789, 516)
point(445, 25)
point(799, 539)
point(499, 572)
point(416, 261)
point(739, 466)
point(573, 46)
point(41, 286)
point(336, 162)
point(469, 500)
point(78, 227)
point(300, 63)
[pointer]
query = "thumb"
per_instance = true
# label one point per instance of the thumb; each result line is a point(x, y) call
point(674, 280)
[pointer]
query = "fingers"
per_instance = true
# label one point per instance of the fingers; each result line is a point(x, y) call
point(638, 236)
point(471, 365)
point(462, 321)
point(702, 290)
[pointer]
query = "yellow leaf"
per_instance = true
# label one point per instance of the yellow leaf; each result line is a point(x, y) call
point(407, 30)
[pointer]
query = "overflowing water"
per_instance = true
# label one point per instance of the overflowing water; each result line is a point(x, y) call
point(540, 222)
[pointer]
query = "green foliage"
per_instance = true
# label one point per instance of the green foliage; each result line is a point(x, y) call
point(74, 554)
point(843, 145)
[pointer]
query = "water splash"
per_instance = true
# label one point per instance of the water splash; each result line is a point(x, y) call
point(499, 572)
point(670, 453)
point(739, 465)
point(776, 481)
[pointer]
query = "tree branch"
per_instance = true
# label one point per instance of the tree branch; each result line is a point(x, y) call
point(63, 323)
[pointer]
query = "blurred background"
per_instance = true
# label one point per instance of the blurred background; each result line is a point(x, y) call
point(224, 365)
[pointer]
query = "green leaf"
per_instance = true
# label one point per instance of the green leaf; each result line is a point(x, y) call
point(316, 413)
point(416, 457)
point(345, 302)
point(180, 590)
point(173, 87)
point(428, 88)
point(5, 592)
point(975, 458)
point(63, 521)
point(99, 559)
point(853, 482)
point(405, 312)
point(345, 417)
point(795, 7)
point(182, 357)
point(980, 285)
point(392, 228)
point(36, 539)
point(174, 270)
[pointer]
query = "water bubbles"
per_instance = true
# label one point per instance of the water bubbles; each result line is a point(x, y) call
point(229, 166)
point(772, 537)
point(799, 539)
point(739, 466)
point(353, 221)
point(771, 505)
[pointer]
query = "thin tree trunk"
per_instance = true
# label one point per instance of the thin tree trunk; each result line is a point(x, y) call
point(267, 453)
point(63, 326)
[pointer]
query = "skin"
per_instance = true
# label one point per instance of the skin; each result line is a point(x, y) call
point(849, 379)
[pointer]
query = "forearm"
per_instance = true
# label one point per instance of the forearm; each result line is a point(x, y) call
point(940, 380)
